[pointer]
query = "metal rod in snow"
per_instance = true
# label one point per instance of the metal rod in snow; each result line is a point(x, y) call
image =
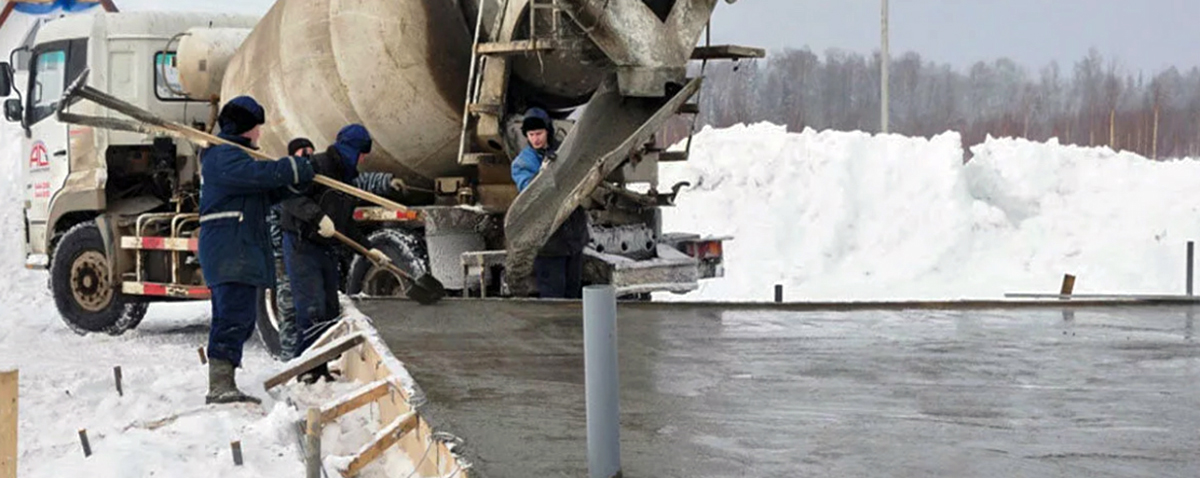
point(600, 381)
point(1191, 262)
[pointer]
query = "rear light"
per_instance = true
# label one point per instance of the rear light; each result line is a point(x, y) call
point(704, 250)
point(711, 249)
point(382, 214)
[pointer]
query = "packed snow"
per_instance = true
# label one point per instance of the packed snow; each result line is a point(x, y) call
point(852, 216)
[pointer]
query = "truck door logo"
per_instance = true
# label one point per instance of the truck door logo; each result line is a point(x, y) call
point(38, 159)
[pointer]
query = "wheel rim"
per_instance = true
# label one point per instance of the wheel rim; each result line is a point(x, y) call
point(90, 284)
point(381, 282)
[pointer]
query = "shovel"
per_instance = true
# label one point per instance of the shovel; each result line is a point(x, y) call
point(147, 122)
point(425, 289)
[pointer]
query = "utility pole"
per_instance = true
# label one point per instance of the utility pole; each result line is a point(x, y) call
point(886, 58)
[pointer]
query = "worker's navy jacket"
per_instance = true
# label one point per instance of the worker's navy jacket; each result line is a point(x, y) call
point(235, 193)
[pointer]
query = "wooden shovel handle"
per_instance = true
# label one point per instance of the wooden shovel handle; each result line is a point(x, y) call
point(367, 254)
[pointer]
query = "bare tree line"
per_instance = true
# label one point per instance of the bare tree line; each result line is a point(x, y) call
point(1093, 102)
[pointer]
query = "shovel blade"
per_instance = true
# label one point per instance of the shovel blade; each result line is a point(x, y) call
point(426, 290)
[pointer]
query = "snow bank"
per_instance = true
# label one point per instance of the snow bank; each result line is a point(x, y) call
point(840, 216)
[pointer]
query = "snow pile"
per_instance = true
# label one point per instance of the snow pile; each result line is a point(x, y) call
point(852, 216)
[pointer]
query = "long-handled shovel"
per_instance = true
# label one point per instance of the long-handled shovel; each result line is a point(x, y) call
point(148, 122)
point(425, 289)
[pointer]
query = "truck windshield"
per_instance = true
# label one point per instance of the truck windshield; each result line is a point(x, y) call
point(49, 79)
point(166, 77)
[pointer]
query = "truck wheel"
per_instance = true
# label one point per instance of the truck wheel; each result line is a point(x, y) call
point(267, 323)
point(86, 297)
point(407, 251)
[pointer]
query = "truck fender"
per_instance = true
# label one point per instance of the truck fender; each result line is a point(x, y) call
point(108, 230)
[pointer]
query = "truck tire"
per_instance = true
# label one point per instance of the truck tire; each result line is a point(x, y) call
point(266, 325)
point(86, 297)
point(407, 251)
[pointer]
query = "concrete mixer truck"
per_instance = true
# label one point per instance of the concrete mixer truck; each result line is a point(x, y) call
point(442, 86)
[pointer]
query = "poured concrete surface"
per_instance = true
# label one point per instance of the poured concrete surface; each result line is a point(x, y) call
point(721, 392)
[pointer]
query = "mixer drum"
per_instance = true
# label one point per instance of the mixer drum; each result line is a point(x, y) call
point(397, 67)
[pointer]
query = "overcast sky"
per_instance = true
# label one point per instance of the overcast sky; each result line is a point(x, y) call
point(1142, 34)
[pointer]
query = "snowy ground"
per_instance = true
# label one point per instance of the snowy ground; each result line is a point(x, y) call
point(841, 216)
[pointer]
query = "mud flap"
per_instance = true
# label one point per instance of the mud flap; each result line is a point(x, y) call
point(610, 128)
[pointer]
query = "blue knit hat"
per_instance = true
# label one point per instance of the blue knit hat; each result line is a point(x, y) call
point(351, 141)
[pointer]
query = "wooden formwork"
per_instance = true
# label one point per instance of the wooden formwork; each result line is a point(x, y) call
point(354, 347)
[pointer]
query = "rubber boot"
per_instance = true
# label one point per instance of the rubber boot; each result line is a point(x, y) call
point(222, 384)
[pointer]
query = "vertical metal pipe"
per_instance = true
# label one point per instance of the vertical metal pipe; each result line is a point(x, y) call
point(600, 381)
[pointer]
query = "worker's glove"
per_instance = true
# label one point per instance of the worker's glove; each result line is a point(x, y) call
point(325, 228)
point(377, 256)
point(398, 185)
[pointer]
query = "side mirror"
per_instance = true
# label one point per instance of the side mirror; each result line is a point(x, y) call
point(5, 79)
point(13, 111)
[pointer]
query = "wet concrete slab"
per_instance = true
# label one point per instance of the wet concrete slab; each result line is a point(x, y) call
point(723, 392)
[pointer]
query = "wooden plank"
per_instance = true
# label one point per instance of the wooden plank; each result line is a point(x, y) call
point(315, 358)
point(367, 394)
point(727, 52)
point(8, 9)
point(312, 444)
point(383, 439)
point(8, 423)
point(372, 365)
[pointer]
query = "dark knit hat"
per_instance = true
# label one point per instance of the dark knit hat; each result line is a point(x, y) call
point(240, 115)
point(535, 119)
point(299, 143)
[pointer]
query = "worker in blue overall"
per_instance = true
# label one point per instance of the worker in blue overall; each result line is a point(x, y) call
point(558, 268)
point(235, 250)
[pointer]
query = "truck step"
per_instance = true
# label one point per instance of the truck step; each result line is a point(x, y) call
point(153, 243)
point(166, 290)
